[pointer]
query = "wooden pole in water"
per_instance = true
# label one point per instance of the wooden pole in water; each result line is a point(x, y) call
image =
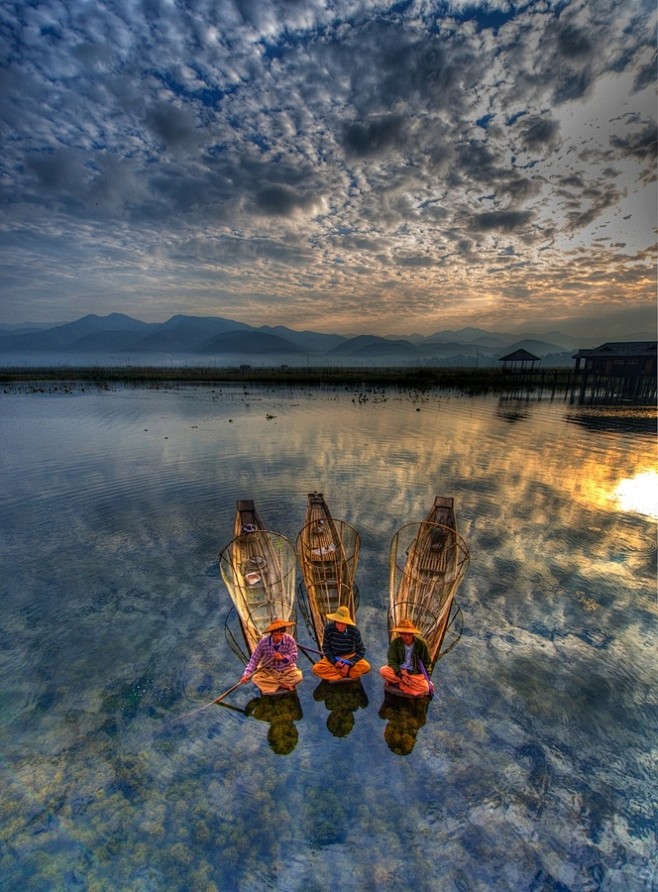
point(226, 693)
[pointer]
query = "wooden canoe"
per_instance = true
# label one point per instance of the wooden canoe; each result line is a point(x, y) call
point(259, 569)
point(328, 553)
point(427, 562)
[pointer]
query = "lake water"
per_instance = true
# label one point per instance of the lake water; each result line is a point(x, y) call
point(534, 766)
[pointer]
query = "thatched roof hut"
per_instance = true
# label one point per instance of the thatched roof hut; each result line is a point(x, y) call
point(519, 360)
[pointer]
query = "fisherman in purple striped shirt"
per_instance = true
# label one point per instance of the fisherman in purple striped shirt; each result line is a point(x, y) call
point(274, 661)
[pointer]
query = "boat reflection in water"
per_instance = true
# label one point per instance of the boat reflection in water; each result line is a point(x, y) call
point(405, 716)
point(342, 700)
point(281, 712)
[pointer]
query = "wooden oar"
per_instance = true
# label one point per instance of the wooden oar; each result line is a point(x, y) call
point(219, 699)
point(231, 689)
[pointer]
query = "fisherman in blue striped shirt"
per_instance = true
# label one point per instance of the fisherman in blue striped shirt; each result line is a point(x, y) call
point(343, 649)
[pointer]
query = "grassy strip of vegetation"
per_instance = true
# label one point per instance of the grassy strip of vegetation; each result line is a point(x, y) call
point(467, 380)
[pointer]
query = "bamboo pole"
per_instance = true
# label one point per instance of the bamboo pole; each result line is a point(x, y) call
point(221, 697)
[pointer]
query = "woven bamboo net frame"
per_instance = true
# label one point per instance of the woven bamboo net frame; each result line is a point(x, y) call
point(328, 555)
point(427, 563)
point(259, 570)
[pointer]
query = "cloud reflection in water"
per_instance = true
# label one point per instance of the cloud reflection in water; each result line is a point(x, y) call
point(533, 767)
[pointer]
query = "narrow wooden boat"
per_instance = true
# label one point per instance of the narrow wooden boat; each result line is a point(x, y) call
point(328, 553)
point(259, 569)
point(427, 562)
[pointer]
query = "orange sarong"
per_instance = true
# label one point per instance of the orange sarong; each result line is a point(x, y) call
point(328, 672)
point(414, 685)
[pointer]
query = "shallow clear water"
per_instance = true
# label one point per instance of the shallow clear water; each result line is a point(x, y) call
point(535, 764)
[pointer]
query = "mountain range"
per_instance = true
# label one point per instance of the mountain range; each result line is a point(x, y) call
point(117, 338)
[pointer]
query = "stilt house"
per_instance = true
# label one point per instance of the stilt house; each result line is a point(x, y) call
point(617, 371)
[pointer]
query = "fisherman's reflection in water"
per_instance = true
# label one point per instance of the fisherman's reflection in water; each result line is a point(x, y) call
point(342, 699)
point(405, 716)
point(281, 711)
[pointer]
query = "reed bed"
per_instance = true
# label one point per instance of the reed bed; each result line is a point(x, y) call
point(466, 380)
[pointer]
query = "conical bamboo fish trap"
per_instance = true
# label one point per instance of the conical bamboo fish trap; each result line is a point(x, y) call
point(328, 552)
point(259, 569)
point(427, 563)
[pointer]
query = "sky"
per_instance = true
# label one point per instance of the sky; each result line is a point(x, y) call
point(348, 166)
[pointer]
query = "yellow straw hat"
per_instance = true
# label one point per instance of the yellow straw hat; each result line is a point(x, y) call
point(342, 615)
point(405, 626)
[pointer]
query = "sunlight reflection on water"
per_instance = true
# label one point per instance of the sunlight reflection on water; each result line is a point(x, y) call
point(533, 767)
point(639, 493)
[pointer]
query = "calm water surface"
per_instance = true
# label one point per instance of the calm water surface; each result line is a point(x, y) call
point(534, 767)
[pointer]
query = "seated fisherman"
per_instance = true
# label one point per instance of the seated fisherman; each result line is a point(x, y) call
point(405, 655)
point(274, 660)
point(343, 649)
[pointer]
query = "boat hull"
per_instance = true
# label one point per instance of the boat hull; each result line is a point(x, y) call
point(259, 569)
point(328, 553)
point(427, 563)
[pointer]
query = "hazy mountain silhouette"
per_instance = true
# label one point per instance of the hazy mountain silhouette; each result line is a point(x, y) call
point(249, 343)
point(371, 347)
point(537, 348)
point(104, 341)
point(465, 336)
point(312, 341)
point(183, 339)
point(186, 334)
point(63, 338)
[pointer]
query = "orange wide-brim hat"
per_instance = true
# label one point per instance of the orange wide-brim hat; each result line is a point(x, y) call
point(406, 627)
point(277, 625)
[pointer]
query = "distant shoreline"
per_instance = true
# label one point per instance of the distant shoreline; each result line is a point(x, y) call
point(467, 380)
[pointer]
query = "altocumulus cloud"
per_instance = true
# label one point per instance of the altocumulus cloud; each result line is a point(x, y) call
point(323, 164)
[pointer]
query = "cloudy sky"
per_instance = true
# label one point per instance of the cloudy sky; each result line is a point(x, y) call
point(337, 165)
